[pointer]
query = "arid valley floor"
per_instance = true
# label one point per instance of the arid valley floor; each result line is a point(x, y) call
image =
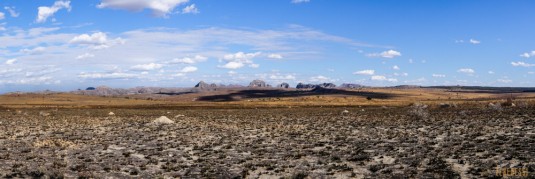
point(419, 133)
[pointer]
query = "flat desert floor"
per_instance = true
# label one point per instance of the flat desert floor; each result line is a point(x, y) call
point(55, 138)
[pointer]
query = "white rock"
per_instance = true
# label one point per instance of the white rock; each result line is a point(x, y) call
point(111, 114)
point(163, 120)
point(180, 115)
point(345, 111)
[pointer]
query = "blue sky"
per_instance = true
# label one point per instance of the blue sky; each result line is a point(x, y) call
point(66, 45)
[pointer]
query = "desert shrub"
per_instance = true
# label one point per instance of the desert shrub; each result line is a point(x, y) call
point(419, 111)
point(369, 98)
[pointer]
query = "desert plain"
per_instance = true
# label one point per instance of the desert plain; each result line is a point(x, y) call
point(265, 133)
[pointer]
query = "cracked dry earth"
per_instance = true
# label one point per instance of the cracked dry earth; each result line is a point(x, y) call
point(266, 143)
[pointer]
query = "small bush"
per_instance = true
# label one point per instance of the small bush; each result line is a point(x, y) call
point(369, 98)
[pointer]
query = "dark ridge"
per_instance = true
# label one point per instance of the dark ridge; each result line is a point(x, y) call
point(269, 93)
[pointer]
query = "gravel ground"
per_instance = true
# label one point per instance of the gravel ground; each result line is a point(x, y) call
point(267, 143)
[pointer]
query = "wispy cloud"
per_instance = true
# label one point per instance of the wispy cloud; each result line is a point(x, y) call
point(364, 72)
point(466, 70)
point(159, 8)
point(191, 9)
point(12, 11)
point(385, 54)
point(522, 64)
point(528, 54)
point(300, 1)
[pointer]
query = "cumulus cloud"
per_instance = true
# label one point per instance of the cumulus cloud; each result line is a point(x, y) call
point(474, 41)
point(382, 78)
point(466, 70)
point(12, 11)
point(522, 64)
point(275, 56)
point(233, 65)
point(160, 8)
point(188, 69)
point(300, 1)
point(439, 75)
point(97, 40)
point(84, 56)
point(364, 72)
point(395, 67)
point(385, 54)
point(239, 60)
point(11, 61)
point(146, 67)
point(191, 9)
point(45, 12)
point(189, 60)
point(528, 54)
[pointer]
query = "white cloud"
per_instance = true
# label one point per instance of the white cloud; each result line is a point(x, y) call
point(401, 74)
point(97, 38)
point(385, 54)
point(364, 72)
point(12, 11)
point(300, 1)
point(34, 51)
point(504, 80)
point(188, 60)
point(239, 60)
point(528, 54)
point(113, 75)
point(191, 9)
point(275, 56)
point(188, 69)
point(466, 70)
point(491, 72)
point(11, 61)
point(35, 32)
point(411, 61)
point(382, 78)
point(84, 56)
point(160, 8)
point(531, 72)
point(439, 75)
point(147, 67)
point(232, 65)
point(281, 77)
point(45, 12)
point(2, 15)
point(395, 67)
point(321, 79)
point(522, 64)
point(474, 41)
point(231, 72)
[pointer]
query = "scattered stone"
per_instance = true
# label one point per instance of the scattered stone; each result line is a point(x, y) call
point(44, 114)
point(180, 115)
point(111, 114)
point(163, 120)
point(345, 111)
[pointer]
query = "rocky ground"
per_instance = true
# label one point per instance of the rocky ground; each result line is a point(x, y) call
point(266, 143)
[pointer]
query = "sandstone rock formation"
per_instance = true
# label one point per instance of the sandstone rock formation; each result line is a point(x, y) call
point(258, 83)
